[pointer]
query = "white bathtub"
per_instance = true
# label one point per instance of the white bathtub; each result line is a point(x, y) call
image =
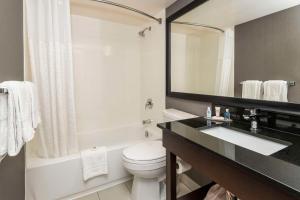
point(49, 179)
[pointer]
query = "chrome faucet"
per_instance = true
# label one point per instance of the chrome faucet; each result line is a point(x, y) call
point(253, 117)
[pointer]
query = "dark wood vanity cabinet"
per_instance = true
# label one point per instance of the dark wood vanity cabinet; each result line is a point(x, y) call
point(246, 185)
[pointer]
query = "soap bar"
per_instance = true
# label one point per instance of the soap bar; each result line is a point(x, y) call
point(220, 119)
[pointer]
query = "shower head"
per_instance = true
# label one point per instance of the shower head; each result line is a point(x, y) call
point(142, 33)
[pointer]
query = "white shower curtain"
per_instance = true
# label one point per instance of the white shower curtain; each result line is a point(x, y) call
point(50, 48)
point(225, 69)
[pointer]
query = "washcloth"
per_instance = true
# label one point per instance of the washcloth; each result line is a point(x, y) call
point(94, 162)
point(276, 90)
point(252, 89)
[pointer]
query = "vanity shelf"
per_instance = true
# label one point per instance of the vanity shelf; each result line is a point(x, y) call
point(198, 194)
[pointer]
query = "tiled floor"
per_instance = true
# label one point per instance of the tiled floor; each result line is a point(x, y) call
point(121, 192)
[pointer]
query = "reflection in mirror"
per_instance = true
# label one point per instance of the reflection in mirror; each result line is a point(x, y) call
point(200, 48)
point(238, 48)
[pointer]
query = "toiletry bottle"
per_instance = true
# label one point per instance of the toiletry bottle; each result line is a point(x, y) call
point(208, 113)
point(218, 111)
point(227, 115)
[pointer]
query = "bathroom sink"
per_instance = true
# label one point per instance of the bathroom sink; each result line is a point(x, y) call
point(259, 145)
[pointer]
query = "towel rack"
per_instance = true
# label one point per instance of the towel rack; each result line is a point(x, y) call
point(3, 90)
point(289, 83)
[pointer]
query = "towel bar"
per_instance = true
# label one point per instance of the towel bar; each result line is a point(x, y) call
point(3, 90)
point(289, 83)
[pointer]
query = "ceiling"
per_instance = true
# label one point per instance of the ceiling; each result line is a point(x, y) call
point(227, 13)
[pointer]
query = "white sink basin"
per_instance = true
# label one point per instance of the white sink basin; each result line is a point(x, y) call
point(259, 145)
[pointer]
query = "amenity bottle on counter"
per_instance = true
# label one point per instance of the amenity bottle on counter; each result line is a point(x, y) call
point(227, 115)
point(208, 113)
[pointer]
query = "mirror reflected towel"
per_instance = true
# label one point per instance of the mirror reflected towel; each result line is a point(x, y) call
point(252, 89)
point(276, 90)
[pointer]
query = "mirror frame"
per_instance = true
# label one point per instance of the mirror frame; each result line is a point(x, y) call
point(292, 108)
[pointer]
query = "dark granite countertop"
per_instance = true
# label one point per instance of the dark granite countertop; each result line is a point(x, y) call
point(282, 167)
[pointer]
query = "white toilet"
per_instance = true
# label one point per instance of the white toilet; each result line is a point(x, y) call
point(147, 162)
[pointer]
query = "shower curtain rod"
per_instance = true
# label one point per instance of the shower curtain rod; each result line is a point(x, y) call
point(202, 25)
point(159, 20)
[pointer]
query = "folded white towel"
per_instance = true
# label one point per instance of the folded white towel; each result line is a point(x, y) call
point(14, 114)
point(252, 89)
point(276, 90)
point(94, 162)
point(3, 124)
point(30, 111)
point(19, 116)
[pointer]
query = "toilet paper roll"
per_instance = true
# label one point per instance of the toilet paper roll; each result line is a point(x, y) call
point(182, 166)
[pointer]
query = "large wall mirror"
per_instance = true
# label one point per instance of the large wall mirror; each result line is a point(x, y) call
point(241, 49)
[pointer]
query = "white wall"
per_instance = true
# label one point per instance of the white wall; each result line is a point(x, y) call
point(153, 70)
point(107, 73)
point(116, 71)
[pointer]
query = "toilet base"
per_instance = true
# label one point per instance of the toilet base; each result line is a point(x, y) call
point(145, 189)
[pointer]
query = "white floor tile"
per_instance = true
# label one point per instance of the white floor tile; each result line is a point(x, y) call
point(90, 197)
point(122, 192)
point(119, 192)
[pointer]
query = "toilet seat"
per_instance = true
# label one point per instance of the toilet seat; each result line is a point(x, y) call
point(145, 156)
point(144, 162)
point(144, 167)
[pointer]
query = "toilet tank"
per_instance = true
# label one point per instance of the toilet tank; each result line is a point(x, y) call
point(168, 116)
point(174, 115)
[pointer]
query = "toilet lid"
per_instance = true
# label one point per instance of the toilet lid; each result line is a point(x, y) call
point(146, 151)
